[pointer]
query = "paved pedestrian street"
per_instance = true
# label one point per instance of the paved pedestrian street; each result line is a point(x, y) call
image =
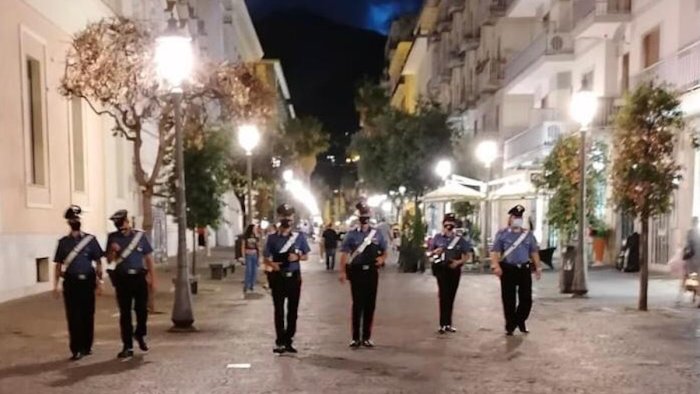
point(595, 345)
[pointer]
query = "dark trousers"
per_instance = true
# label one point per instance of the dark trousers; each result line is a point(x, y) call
point(132, 292)
point(330, 259)
point(363, 284)
point(79, 298)
point(448, 283)
point(285, 288)
point(516, 281)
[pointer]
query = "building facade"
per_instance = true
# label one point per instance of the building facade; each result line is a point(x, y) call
point(57, 152)
point(507, 69)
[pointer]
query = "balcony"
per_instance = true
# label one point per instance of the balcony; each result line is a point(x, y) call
point(489, 76)
point(681, 71)
point(549, 53)
point(525, 8)
point(471, 40)
point(455, 59)
point(600, 18)
point(498, 8)
point(528, 148)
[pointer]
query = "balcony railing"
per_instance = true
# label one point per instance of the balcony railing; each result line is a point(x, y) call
point(491, 76)
point(681, 71)
point(533, 144)
point(549, 42)
point(585, 8)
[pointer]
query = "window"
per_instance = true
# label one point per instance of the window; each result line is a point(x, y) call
point(78, 145)
point(625, 83)
point(35, 114)
point(587, 81)
point(119, 170)
point(650, 47)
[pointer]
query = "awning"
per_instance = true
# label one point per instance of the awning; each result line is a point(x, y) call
point(453, 192)
point(520, 190)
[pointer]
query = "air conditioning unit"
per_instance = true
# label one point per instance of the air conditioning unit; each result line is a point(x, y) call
point(559, 43)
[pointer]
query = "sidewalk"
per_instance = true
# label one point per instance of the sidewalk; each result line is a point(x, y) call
point(595, 345)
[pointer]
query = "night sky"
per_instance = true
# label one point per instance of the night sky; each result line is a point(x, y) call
point(326, 48)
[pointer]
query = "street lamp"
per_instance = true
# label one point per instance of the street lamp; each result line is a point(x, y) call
point(248, 138)
point(402, 193)
point(174, 61)
point(486, 153)
point(584, 106)
point(443, 169)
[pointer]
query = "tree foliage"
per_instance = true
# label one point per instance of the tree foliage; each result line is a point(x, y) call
point(562, 177)
point(206, 178)
point(111, 66)
point(302, 140)
point(401, 149)
point(645, 172)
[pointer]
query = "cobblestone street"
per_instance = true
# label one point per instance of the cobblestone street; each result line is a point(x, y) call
point(596, 345)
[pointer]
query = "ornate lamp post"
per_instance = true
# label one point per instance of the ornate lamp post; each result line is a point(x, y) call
point(486, 153)
point(248, 138)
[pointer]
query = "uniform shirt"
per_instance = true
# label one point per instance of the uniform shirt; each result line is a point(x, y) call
point(276, 241)
point(82, 263)
point(356, 237)
point(507, 237)
point(136, 258)
point(442, 241)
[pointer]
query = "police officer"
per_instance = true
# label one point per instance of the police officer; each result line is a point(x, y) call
point(284, 250)
point(74, 256)
point(362, 253)
point(131, 270)
point(514, 255)
point(449, 251)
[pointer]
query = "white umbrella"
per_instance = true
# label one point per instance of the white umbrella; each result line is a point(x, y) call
point(520, 190)
point(451, 192)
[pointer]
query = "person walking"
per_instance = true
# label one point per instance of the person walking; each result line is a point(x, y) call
point(449, 251)
point(74, 256)
point(132, 270)
point(514, 256)
point(284, 250)
point(330, 246)
point(691, 252)
point(362, 254)
point(251, 253)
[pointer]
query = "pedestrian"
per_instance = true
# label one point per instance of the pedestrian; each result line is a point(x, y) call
point(514, 256)
point(449, 251)
point(75, 254)
point(691, 252)
point(362, 254)
point(283, 252)
point(251, 251)
point(132, 272)
point(330, 246)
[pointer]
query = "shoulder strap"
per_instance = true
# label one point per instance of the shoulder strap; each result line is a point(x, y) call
point(127, 252)
point(76, 250)
point(289, 242)
point(515, 245)
point(365, 243)
point(453, 243)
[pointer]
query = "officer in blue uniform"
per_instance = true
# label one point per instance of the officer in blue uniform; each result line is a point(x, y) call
point(74, 257)
point(449, 251)
point(514, 256)
point(283, 251)
point(362, 254)
point(131, 269)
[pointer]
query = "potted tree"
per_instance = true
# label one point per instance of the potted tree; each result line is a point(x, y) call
point(600, 233)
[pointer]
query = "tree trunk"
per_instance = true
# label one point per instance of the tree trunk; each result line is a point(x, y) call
point(194, 251)
point(644, 265)
point(147, 208)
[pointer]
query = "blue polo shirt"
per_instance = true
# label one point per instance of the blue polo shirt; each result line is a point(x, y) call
point(507, 237)
point(276, 241)
point(356, 237)
point(443, 241)
point(82, 263)
point(136, 258)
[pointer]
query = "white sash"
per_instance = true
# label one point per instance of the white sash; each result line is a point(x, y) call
point(514, 245)
point(365, 243)
point(289, 243)
point(126, 252)
point(76, 251)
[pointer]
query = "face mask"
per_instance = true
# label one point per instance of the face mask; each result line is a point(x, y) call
point(449, 227)
point(518, 223)
point(286, 223)
point(364, 220)
point(74, 226)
